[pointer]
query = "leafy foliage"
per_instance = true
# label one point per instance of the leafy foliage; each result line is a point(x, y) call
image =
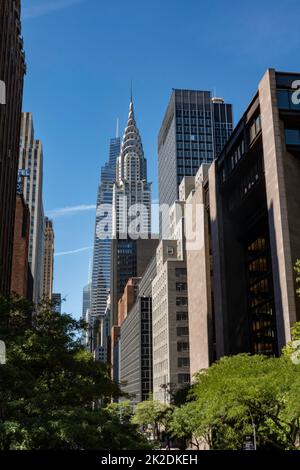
point(51, 391)
point(237, 395)
point(152, 415)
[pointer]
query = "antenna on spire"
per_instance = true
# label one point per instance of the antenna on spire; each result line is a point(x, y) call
point(117, 128)
point(131, 91)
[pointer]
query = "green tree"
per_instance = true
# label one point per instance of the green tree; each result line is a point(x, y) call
point(243, 391)
point(297, 269)
point(51, 391)
point(153, 416)
point(189, 426)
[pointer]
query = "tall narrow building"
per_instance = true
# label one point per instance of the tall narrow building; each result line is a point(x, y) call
point(12, 70)
point(194, 130)
point(48, 260)
point(31, 159)
point(101, 272)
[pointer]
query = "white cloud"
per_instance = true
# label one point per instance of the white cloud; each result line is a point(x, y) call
point(72, 252)
point(70, 210)
point(46, 7)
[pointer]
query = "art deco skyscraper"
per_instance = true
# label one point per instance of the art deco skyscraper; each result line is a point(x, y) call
point(31, 158)
point(131, 212)
point(12, 69)
point(131, 192)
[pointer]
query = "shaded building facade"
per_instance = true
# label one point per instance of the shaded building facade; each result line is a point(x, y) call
point(252, 206)
point(12, 70)
point(136, 365)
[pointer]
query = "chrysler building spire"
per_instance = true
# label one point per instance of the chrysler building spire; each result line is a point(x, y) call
point(131, 185)
point(131, 163)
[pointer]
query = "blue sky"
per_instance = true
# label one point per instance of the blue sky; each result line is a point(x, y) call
point(81, 58)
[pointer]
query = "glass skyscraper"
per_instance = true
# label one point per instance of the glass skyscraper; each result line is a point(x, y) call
point(194, 130)
point(101, 273)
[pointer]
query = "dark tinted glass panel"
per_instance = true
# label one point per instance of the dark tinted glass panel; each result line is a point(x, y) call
point(292, 136)
point(283, 99)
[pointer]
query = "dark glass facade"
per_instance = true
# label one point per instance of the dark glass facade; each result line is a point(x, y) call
point(12, 70)
point(194, 131)
point(256, 235)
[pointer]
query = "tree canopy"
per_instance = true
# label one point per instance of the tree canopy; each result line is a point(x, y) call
point(52, 392)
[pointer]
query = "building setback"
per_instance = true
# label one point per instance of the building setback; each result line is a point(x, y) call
point(194, 131)
point(252, 206)
point(136, 367)
point(48, 259)
point(31, 159)
point(12, 70)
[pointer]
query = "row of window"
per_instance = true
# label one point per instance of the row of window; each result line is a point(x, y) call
point(183, 362)
point(195, 137)
point(194, 127)
point(187, 112)
point(187, 146)
point(182, 316)
point(255, 128)
point(183, 346)
point(195, 153)
point(247, 183)
point(181, 301)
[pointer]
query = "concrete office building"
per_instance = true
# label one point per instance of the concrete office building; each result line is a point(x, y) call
point(171, 361)
point(48, 259)
point(200, 276)
point(12, 70)
point(136, 367)
point(252, 207)
point(194, 131)
point(31, 158)
point(130, 258)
